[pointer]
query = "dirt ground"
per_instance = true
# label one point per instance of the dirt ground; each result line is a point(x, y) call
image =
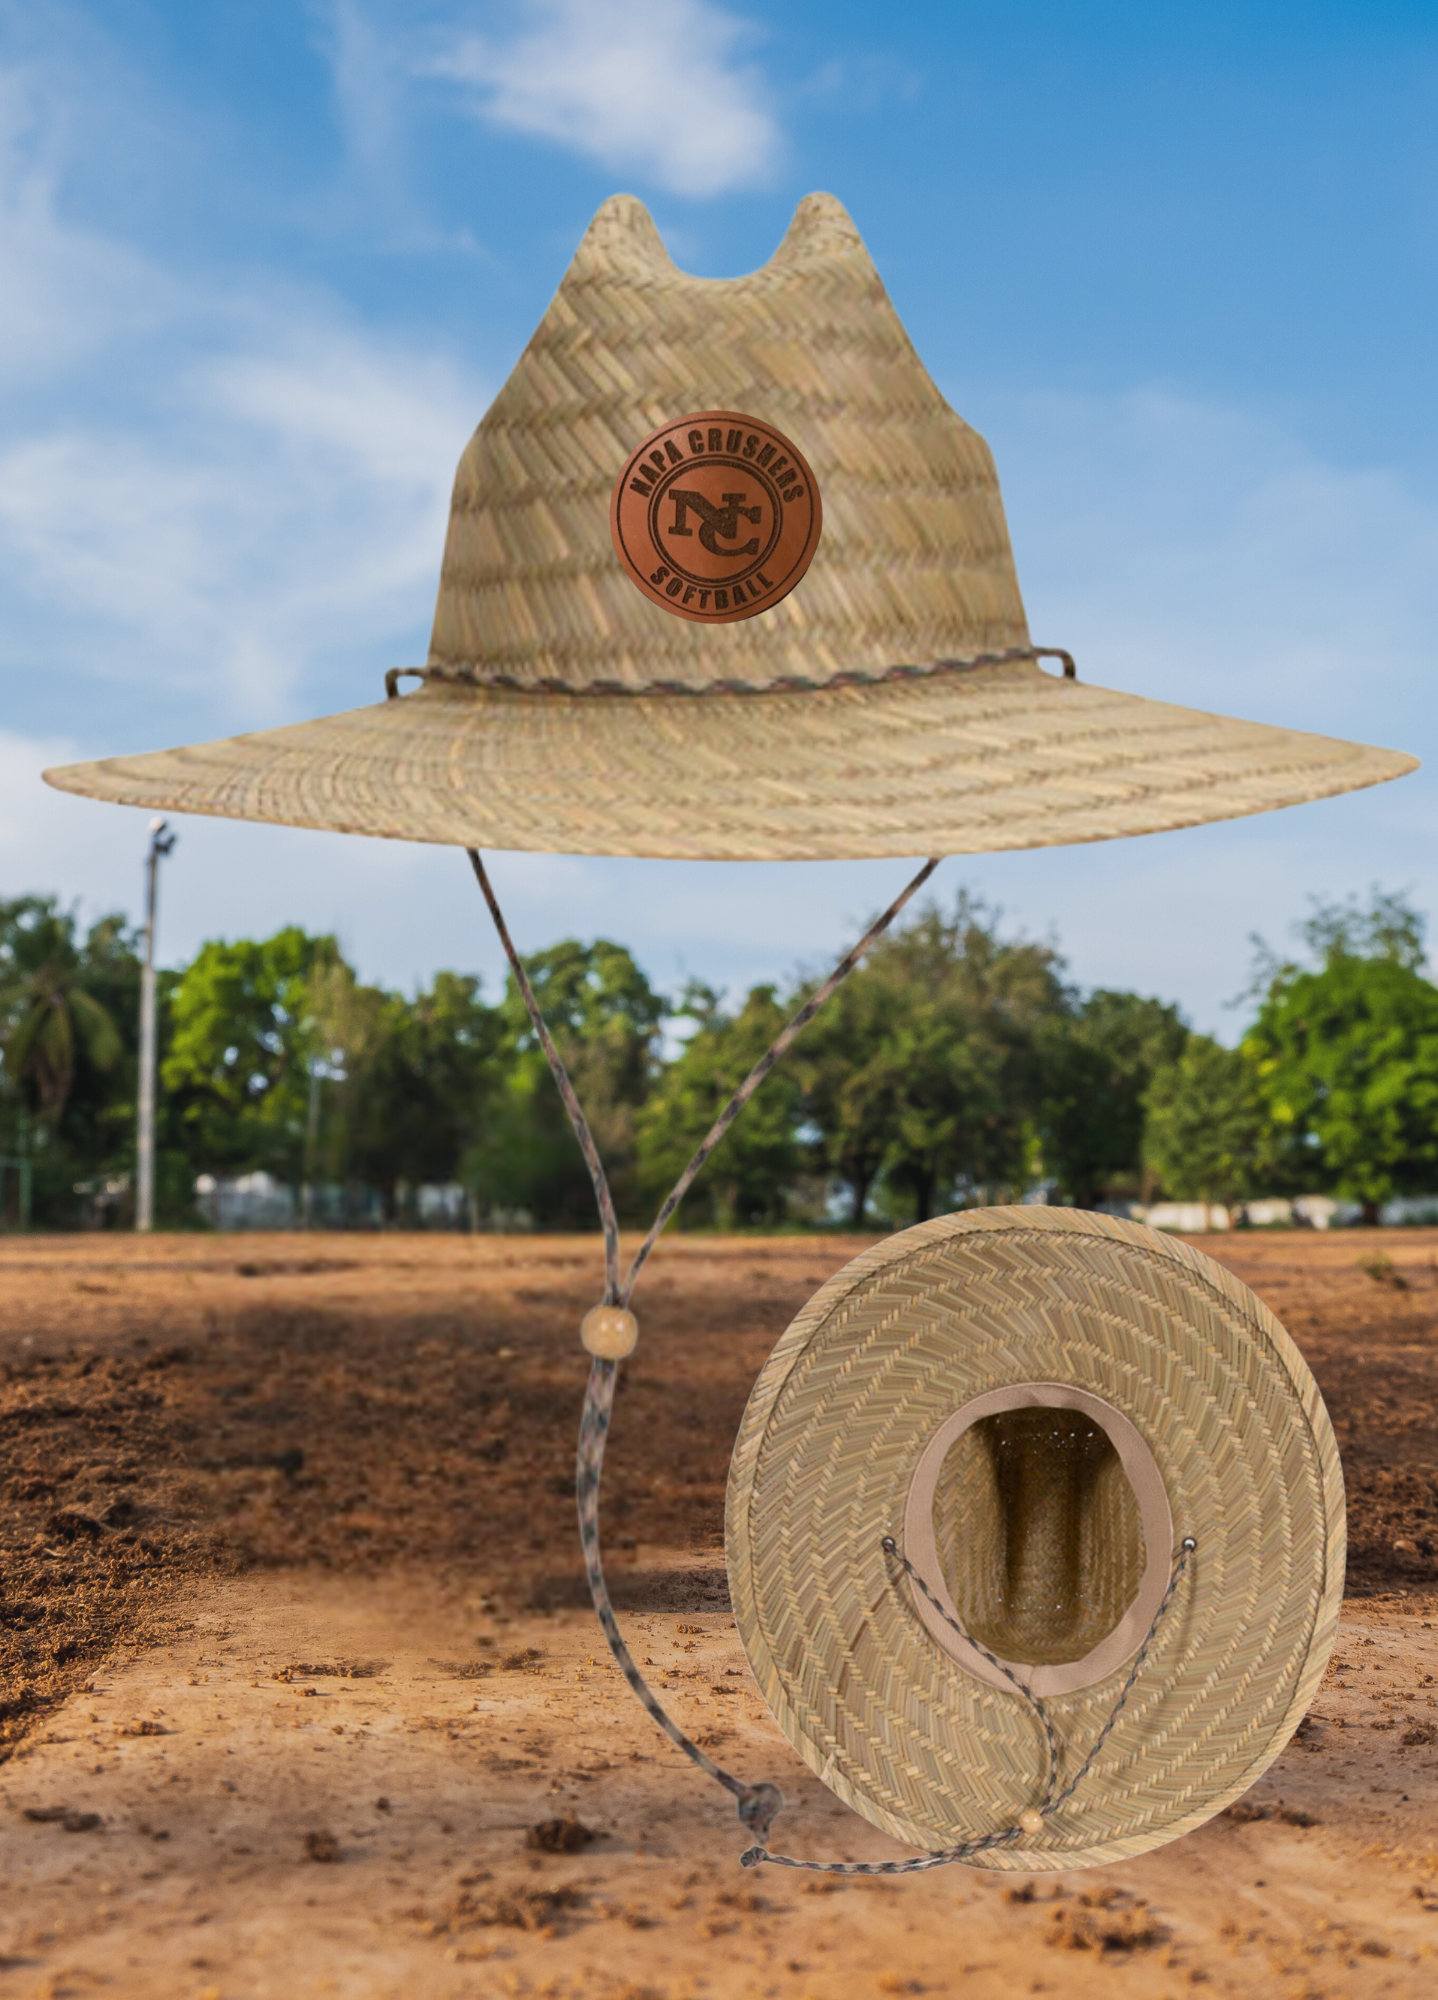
point(294, 1654)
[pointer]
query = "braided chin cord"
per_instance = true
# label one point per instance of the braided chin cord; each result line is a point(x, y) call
point(758, 1804)
point(1032, 1821)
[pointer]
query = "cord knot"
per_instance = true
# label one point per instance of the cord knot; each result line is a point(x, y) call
point(759, 1806)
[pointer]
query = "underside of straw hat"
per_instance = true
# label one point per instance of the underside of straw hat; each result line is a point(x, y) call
point(890, 704)
point(1038, 1406)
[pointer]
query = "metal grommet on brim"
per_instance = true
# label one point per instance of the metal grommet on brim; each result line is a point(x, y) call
point(1041, 1538)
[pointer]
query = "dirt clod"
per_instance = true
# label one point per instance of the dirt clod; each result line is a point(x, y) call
point(1076, 1928)
point(69, 1525)
point(520, 1909)
point(523, 1662)
point(322, 1847)
point(346, 1670)
point(560, 1836)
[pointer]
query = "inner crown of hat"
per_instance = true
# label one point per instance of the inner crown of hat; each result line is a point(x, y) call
point(1038, 1517)
point(1039, 1534)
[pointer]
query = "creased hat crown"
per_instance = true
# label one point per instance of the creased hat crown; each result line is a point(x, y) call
point(914, 564)
point(891, 703)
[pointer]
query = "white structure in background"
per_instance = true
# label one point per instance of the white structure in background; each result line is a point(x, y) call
point(1312, 1211)
point(259, 1201)
point(246, 1201)
point(1309, 1211)
point(1305, 1211)
point(448, 1207)
point(1190, 1218)
point(1410, 1208)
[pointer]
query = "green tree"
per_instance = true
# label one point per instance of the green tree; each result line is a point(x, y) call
point(748, 1180)
point(349, 1023)
point(50, 1020)
point(846, 1062)
point(1388, 928)
point(1098, 1057)
point(1347, 1062)
point(242, 1039)
point(1207, 1131)
point(420, 1081)
point(931, 1062)
point(605, 1019)
point(1344, 1051)
point(68, 1025)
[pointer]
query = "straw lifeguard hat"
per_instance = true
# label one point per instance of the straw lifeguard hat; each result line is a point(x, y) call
point(1038, 1406)
point(1034, 1408)
point(891, 704)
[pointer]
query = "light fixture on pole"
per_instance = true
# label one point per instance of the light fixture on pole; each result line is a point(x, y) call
point(161, 842)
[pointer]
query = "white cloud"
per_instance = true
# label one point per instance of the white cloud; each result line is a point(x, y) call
point(63, 291)
point(367, 47)
point(386, 414)
point(1194, 551)
point(286, 504)
point(212, 490)
point(268, 488)
point(651, 85)
point(365, 79)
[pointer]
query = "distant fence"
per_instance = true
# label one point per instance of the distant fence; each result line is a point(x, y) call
point(259, 1201)
point(1305, 1211)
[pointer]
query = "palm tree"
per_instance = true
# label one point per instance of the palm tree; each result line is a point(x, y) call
point(47, 1019)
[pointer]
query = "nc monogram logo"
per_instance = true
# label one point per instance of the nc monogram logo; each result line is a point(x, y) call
point(716, 516)
point(717, 520)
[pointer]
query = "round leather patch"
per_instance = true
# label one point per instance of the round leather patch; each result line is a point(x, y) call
point(716, 516)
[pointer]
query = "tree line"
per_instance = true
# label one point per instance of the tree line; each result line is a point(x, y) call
point(956, 1066)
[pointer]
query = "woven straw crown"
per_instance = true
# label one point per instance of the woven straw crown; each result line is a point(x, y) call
point(914, 563)
point(890, 704)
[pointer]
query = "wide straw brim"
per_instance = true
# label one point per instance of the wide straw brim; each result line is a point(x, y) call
point(950, 763)
point(827, 1450)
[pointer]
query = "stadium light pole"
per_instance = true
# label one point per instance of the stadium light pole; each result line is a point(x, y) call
point(161, 842)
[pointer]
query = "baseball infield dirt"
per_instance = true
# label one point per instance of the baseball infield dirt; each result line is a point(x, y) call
point(299, 1694)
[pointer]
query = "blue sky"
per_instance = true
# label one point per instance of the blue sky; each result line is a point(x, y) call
point(263, 265)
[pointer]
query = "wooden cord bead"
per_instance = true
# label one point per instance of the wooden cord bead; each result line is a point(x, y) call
point(609, 1332)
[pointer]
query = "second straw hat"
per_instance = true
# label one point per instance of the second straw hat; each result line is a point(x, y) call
point(1037, 1407)
point(891, 704)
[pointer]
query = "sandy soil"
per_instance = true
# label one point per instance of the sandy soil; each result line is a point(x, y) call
point(293, 1657)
